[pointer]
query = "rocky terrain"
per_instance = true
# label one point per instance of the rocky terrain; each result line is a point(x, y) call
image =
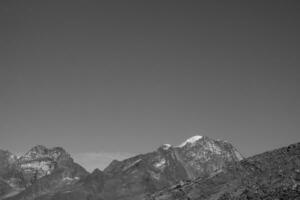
point(199, 168)
point(270, 175)
point(39, 170)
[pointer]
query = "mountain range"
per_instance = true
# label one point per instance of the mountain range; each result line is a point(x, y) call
point(199, 168)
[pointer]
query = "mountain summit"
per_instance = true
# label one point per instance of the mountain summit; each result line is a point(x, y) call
point(191, 140)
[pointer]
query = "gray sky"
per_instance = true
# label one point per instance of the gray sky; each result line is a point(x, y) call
point(117, 79)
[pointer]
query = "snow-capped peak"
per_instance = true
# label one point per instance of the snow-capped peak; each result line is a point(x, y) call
point(166, 146)
point(191, 140)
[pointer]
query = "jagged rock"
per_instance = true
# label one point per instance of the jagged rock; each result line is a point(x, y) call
point(38, 171)
point(41, 161)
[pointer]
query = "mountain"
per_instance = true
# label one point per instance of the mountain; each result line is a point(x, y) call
point(270, 175)
point(199, 168)
point(41, 161)
point(196, 157)
point(38, 171)
point(132, 178)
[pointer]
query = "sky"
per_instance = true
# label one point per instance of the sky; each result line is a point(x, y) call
point(111, 79)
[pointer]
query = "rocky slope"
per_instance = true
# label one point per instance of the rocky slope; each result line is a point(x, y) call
point(134, 177)
point(271, 175)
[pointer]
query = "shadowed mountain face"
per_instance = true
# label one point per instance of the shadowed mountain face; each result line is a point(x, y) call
point(134, 177)
point(10, 175)
point(7, 161)
point(271, 175)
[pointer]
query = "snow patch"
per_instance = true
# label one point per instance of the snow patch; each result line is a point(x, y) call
point(238, 155)
point(70, 179)
point(191, 140)
point(67, 179)
point(36, 165)
point(160, 164)
point(166, 146)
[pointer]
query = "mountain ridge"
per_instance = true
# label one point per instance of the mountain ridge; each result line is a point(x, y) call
point(200, 167)
point(133, 177)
